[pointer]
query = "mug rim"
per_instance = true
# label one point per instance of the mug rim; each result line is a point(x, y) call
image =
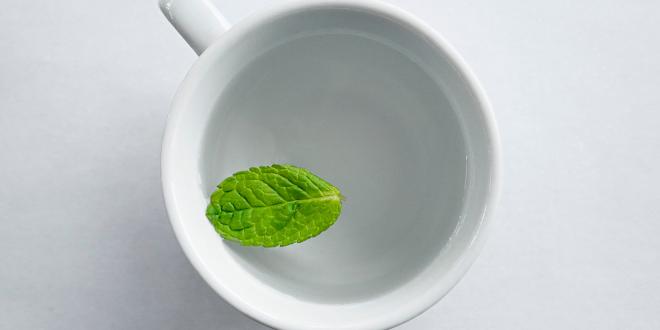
point(468, 255)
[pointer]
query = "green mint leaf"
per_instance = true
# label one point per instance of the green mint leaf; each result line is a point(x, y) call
point(273, 205)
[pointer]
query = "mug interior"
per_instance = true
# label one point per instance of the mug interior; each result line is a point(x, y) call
point(368, 119)
point(371, 105)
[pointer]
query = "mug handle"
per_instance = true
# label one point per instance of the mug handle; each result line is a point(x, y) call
point(198, 21)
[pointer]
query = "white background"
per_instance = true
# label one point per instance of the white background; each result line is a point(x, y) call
point(84, 238)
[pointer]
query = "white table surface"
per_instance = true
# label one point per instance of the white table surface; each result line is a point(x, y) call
point(84, 238)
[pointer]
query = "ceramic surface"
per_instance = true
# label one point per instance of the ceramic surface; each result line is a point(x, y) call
point(367, 97)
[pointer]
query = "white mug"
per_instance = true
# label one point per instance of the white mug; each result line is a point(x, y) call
point(367, 97)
